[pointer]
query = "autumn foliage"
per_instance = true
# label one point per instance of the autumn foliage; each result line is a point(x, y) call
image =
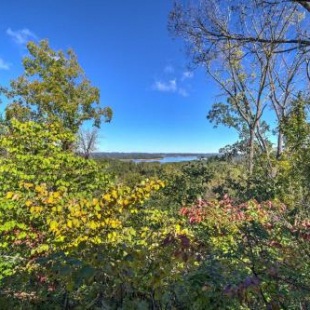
point(77, 233)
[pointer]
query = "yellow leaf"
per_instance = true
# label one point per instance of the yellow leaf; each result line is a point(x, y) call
point(114, 194)
point(50, 199)
point(112, 236)
point(115, 223)
point(107, 197)
point(77, 213)
point(38, 188)
point(56, 194)
point(53, 226)
point(28, 203)
point(97, 240)
point(69, 223)
point(143, 235)
point(92, 225)
point(60, 238)
point(9, 195)
point(76, 223)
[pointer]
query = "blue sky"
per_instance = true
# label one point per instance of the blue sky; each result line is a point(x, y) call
point(126, 51)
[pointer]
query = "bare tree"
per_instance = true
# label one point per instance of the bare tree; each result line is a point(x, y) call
point(87, 140)
point(246, 92)
point(286, 80)
point(246, 22)
point(262, 32)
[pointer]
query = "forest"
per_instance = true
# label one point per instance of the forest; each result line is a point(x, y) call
point(228, 232)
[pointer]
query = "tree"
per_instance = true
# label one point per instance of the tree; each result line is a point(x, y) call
point(34, 154)
point(54, 89)
point(245, 104)
point(62, 222)
point(296, 130)
point(295, 125)
point(214, 20)
point(241, 46)
point(87, 140)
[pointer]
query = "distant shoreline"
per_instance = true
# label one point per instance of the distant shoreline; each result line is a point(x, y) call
point(141, 159)
point(148, 156)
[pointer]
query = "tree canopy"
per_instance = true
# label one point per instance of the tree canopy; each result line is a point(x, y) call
point(256, 52)
point(54, 89)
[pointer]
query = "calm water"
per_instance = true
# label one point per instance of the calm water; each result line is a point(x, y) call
point(168, 159)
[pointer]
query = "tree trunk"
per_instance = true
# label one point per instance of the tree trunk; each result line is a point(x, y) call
point(67, 145)
point(251, 151)
point(280, 144)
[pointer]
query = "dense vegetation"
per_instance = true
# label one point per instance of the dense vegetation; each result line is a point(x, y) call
point(230, 232)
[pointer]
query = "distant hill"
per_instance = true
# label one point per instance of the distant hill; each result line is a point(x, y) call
point(120, 155)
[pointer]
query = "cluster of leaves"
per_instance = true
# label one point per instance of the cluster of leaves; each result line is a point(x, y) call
point(73, 238)
point(185, 182)
point(54, 88)
point(70, 237)
point(247, 253)
point(66, 227)
point(33, 154)
point(256, 255)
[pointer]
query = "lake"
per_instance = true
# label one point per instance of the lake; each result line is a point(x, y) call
point(167, 159)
